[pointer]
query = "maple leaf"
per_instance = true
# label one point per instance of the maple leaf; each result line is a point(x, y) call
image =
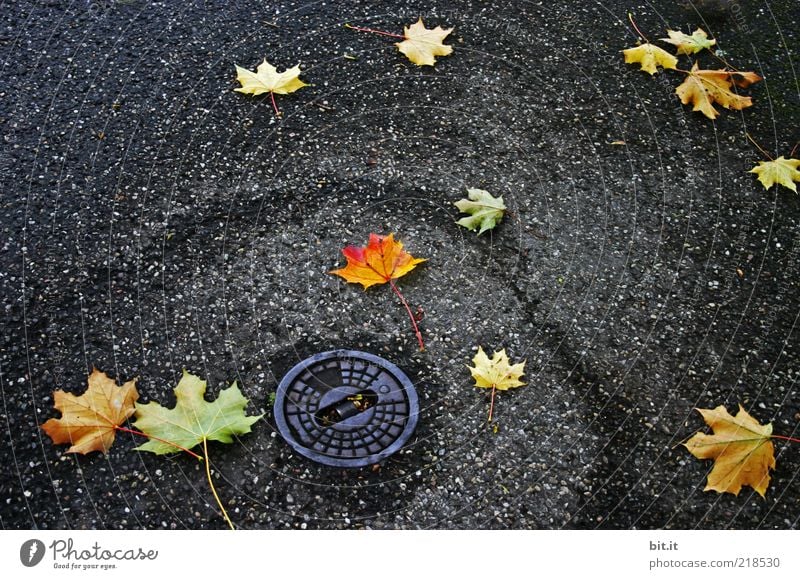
point(743, 79)
point(689, 44)
point(383, 260)
point(496, 373)
point(703, 88)
point(89, 422)
point(486, 211)
point(782, 171)
point(268, 79)
point(648, 56)
point(741, 448)
point(193, 420)
point(422, 45)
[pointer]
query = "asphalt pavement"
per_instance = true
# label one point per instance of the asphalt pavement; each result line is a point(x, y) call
point(153, 219)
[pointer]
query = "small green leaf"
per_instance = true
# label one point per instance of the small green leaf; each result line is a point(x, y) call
point(193, 420)
point(690, 44)
point(485, 211)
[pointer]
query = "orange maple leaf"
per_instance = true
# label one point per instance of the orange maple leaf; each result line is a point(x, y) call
point(383, 260)
point(741, 448)
point(703, 88)
point(89, 422)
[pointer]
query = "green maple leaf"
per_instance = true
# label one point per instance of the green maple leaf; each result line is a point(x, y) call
point(485, 211)
point(193, 420)
point(690, 44)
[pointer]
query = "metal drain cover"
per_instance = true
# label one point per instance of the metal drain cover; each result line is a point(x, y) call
point(346, 408)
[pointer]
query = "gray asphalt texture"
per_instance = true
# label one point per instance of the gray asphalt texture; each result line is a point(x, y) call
point(153, 219)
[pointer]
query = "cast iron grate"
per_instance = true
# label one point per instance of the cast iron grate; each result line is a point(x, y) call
point(346, 408)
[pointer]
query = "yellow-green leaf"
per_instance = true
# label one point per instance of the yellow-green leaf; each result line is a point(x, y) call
point(193, 420)
point(689, 44)
point(485, 210)
point(782, 171)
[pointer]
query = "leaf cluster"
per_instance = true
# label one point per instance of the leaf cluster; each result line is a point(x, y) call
point(420, 45)
point(702, 88)
point(89, 422)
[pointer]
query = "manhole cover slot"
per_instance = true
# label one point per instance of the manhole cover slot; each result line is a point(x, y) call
point(346, 408)
point(351, 405)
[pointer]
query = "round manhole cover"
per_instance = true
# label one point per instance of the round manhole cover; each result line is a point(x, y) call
point(346, 408)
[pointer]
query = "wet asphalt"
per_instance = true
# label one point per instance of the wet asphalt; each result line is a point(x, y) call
point(152, 219)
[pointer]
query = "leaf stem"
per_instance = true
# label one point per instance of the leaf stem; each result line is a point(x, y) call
point(794, 149)
point(410, 315)
point(129, 431)
point(636, 28)
point(723, 61)
point(763, 152)
point(274, 104)
point(491, 405)
point(213, 489)
point(361, 29)
point(789, 438)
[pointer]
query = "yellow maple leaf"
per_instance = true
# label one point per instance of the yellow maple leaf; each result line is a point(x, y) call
point(421, 45)
point(496, 373)
point(648, 56)
point(741, 448)
point(266, 78)
point(703, 88)
point(782, 171)
point(689, 44)
point(90, 421)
